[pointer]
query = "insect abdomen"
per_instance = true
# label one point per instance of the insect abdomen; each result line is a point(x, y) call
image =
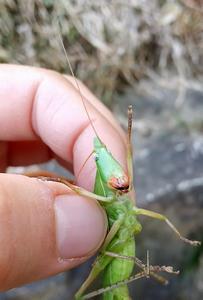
point(119, 269)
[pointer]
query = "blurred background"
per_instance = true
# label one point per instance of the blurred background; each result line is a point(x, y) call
point(148, 54)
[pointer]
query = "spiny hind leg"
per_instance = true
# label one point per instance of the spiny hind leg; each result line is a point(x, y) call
point(113, 286)
point(140, 264)
point(152, 214)
point(120, 283)
point(144, 273)
point(147, 268)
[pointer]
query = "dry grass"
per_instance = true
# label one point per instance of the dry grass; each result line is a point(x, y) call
point(110, 43)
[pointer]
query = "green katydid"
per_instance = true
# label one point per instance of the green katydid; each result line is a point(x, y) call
point(112, 189)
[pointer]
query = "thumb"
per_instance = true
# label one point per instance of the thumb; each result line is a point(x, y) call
point(44, 229)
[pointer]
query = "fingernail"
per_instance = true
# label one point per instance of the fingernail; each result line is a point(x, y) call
point(80, 226)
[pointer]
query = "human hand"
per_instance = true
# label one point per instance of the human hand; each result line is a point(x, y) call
point(42, 117)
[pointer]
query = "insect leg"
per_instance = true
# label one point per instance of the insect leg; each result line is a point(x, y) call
point(78, 189)
point(152, 214)
point(113, 286)
point(101, 261)
point(129, 147)
point(98, 266)
point(141, 265)
point(145, 273)
point(118, 284)
point(112, 232)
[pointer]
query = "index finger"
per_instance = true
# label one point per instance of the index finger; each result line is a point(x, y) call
point(41, 104)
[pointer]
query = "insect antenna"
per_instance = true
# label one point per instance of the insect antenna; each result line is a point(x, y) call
point(75, 79)
point(84, 163)
point(79, 90)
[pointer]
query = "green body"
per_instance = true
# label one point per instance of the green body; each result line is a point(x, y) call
point(123, 242)
point(112, 189)
point(117, 269)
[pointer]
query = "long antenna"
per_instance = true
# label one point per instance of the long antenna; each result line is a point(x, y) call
point(75, 79)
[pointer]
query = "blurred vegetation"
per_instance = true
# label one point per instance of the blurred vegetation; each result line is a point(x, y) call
point(110, 43)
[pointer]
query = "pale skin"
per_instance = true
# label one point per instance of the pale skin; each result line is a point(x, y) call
point(41, 117)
